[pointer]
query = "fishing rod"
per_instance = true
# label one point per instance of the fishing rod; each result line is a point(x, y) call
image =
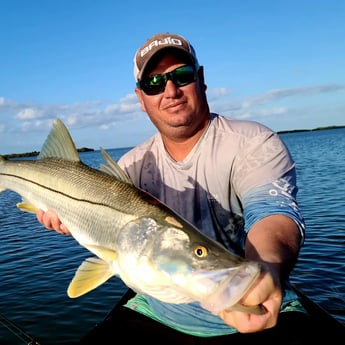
point(17, 331)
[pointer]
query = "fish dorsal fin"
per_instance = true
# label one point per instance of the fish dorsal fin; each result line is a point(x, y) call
point(113, 169)
point(59, 144)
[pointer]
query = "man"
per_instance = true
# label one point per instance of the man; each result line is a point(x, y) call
point(234, 180)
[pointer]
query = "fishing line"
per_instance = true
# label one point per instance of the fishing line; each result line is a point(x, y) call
point(17, 331)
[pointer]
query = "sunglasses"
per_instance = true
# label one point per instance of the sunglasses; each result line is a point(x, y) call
point(155, 84)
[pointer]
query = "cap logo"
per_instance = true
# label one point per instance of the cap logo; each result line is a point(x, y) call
point(157, 43)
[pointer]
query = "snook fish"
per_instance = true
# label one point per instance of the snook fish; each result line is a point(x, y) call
point(132, 234)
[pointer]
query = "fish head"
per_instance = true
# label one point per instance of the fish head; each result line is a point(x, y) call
point(196, 268)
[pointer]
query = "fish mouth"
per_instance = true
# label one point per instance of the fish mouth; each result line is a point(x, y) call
point(230, 287)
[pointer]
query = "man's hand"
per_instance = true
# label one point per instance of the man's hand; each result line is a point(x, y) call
point(274, 243)
point(51, 221)
point(264, 293)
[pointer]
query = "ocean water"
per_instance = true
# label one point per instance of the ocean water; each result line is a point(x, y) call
point(37, 264)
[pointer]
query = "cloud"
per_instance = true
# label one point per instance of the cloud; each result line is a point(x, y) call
point(269, 104)
point(277, 94)
point(29, 117)
point(104, 115)
point(263, 113)
point(215, 93)
point(27, 114)
point(127, 104)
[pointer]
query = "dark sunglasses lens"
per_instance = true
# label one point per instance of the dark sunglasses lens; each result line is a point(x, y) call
point(153, 85)
point(183, 76)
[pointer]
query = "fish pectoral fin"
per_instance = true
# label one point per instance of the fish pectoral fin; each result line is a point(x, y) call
point(101, 252)
point(27, 207)
point(91, 273)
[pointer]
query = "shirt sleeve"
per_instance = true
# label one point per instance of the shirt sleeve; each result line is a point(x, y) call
point(263, 158)
point(278, 197)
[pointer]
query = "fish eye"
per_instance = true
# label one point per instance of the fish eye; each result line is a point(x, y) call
point(200, 251)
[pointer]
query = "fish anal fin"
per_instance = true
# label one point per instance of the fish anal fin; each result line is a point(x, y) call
point(92, 273)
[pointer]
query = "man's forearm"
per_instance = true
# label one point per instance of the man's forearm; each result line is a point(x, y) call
point(275, 241)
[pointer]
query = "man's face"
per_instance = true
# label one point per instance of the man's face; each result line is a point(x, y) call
point(176, 110)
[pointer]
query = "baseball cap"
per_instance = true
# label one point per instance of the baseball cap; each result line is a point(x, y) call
point(157, 43)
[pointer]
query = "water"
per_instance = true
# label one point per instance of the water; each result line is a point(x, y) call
point(37, 265)
point(320, 161)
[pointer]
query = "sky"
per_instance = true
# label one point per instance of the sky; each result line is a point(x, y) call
point(281, 63)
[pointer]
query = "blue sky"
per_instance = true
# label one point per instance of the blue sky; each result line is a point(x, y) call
point(281, 63)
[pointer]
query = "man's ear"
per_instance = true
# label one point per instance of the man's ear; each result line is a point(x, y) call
point(140, 98)
point(202, 77)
